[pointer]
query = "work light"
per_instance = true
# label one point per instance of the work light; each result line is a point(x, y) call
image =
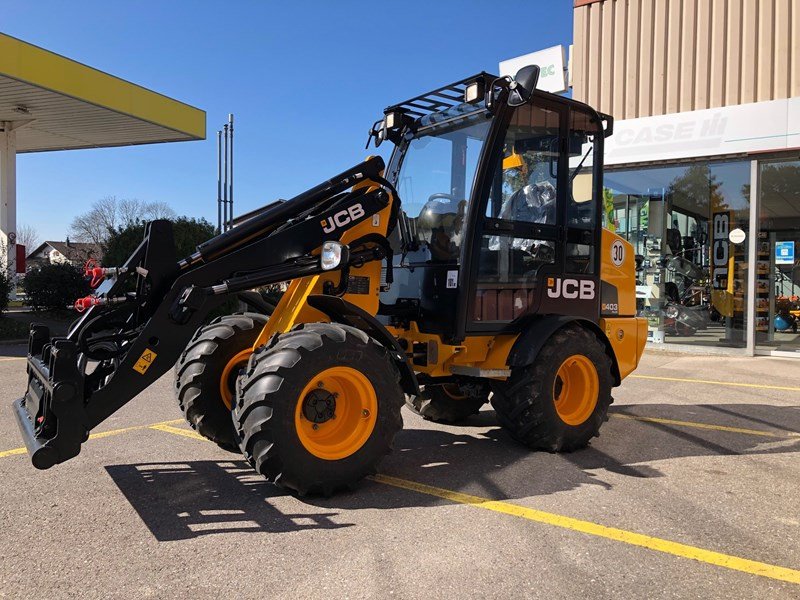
point(392, 120)
point(332, 253)
point(473, 92)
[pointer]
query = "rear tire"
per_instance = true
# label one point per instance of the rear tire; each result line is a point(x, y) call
point(559, 402)
point(449, 403)
point(201, 367)
point(318, 408)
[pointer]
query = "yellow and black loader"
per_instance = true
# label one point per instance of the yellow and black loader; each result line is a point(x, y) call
point(473, 267)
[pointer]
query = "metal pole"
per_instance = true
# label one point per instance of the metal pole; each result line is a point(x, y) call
point(752, 260)
point(225, 184)
point(8, 204)
point(219, 181)
point(230, 128)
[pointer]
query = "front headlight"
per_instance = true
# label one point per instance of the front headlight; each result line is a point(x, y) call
point(671, 311)
point(331, 257)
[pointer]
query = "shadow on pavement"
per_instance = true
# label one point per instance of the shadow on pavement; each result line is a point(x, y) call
point(490, 464)
point(183, 500)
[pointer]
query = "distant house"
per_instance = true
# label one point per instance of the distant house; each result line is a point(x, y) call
point(74, 253)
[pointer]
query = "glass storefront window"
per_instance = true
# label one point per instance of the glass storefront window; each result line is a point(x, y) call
point(778, 275)
point(691, 278)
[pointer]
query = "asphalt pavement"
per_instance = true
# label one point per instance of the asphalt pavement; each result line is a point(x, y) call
point(692, 490)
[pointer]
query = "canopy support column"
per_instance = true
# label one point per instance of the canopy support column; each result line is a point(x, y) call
point(8, 202)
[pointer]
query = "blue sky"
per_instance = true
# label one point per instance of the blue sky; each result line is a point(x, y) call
point(305, 81)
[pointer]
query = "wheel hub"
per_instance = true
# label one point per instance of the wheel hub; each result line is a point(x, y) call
point(319, 406)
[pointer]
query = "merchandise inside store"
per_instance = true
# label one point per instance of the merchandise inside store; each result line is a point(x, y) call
point(690, 228)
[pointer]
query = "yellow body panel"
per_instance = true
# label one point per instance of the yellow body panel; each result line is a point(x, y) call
point(288, 310)
point(623, 275)
point(626, 333)
point(483, 351)
point(627, 336)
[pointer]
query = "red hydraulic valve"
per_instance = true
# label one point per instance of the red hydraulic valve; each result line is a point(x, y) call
point(93, 271)
point(85, 303)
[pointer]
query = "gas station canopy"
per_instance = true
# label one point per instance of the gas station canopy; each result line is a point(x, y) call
point(49, 102)
point(54, 103)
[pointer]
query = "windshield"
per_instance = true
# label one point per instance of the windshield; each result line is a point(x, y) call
point(433, 171)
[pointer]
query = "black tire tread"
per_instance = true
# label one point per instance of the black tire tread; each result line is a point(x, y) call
point(524, 407)
point(195, 382)
point(259, 388)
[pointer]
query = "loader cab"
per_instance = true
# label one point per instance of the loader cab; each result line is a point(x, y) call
point(500, 213)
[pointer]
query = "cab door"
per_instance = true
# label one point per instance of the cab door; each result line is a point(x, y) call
point(534, 245)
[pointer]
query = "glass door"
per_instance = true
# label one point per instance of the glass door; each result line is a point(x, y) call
point(778, 267)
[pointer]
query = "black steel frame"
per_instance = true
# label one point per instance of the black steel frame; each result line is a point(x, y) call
point(441, 98)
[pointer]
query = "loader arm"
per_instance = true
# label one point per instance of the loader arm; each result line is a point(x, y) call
point(141, 320)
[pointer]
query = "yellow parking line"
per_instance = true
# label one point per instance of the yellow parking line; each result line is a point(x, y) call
point(710, 382)
point(100, 435)
point(695, 424)
point(12, 452)
point(178, 431)
point(612, 533)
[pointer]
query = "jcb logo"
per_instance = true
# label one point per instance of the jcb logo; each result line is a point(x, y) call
point(720, 251)
point(342, 218)
point(570, 289)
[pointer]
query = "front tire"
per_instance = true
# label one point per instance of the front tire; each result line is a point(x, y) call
point(205, 375)
point(559, 402)
point(318, 408)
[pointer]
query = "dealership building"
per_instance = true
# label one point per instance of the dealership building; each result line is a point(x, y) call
point(703, 168)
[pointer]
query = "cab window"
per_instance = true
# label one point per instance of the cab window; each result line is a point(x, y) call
point(579, 252)
point(435, 183)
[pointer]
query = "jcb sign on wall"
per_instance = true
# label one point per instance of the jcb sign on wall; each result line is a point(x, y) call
point(551, 62)
point(722, 264)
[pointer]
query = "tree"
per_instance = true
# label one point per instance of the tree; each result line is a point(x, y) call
point(54, 286)
point(188, 232)
point(110, 213)
point(133, 210)
point(780, 189)
point(94, 225)
point(5, 289)
point(696, 187)
point(28, 237)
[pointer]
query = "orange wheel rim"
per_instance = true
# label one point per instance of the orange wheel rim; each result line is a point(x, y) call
point(336, 413)
point(227, 381)
point(575, 389)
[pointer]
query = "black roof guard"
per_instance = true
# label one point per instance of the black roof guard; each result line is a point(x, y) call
point(440, 99)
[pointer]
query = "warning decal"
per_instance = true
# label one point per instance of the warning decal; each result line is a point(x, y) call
point(145, 360)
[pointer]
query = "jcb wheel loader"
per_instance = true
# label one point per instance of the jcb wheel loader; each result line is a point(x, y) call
point(472, 267)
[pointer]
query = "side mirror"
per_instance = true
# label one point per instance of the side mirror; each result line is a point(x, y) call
point(523, 85)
